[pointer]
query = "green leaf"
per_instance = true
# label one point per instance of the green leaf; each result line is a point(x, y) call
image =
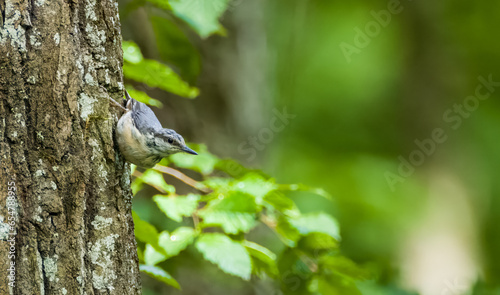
point(233, 168)
point(230, 256)
point(153, 257)
point(345, 267)
point(140, 254)
point(131, 52)
point(159, 274)
point(263, 260)
point(288, 233)
point(176, 206)
point(204, 162)
point(163, 4)
point(175, 48)
point(143, 97)
point(136, 185)
point(201, 15)
point(316, 222)
point(155, 178)
point(315, 242)
point(305, 188)
point(144, 231)
point(174, 243)
point(252, 183)
point(282, 204)
point(255, 185)
point(294, 272)
point(234, 213)
point(332, 284)
point(155, 74)
point(217, 183)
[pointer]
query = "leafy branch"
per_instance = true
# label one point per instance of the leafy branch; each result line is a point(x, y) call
point(217, 216)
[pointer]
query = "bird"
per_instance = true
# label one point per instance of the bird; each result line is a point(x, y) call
point(141, 138)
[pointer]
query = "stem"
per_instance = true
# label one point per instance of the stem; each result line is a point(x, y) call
point(182, 177)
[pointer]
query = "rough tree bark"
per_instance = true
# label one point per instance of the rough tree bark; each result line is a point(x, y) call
point(72, 232)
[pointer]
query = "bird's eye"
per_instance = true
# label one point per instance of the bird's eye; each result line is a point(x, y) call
point(170, 140)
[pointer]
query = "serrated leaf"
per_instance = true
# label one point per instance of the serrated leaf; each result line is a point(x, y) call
point(201, 15)
point(144, 231)
point(175, 207)
point(153, 257)
point(316, 222)
point(251, 183)
point(204, 162)
point(282, 204)
point(159, 274)
point(255, 185)
point(143, 97)
point(230, 256)
point(131, 52)
point(263, 259)
point(234, 213)
point(217, 182)
point(177, 241)
point(155, 178)
point(155, 74)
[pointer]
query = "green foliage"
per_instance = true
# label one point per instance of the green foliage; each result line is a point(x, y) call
point(229, 200)
point(177, 207)
point(235, 206)
point(163, 4)
point(316, 222)
point(177, 241)
point(143, 97)
point(234, 213)
point(155, 74)
point(230, 256)
point(144, 231)
point(203, 163)
point(155, 179)
point(160, 275)
point(174, 47)
point(201, 15)
point(263, 260)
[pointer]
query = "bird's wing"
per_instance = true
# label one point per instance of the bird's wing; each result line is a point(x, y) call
point(144, 118)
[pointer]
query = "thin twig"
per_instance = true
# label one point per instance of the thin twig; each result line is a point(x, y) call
point(182, 177)
point(196, 220)
point(114, 101)
point(117, 104)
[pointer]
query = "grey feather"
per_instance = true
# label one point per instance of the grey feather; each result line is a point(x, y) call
point(144, 118)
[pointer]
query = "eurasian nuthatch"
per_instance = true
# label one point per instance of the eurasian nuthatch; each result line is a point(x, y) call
point(141, 138)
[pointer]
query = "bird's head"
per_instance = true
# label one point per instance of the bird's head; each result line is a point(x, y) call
point(167, 142)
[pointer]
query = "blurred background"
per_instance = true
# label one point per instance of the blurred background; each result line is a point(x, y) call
point(390, 106)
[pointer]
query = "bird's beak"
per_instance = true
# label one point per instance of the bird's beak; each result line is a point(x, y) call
point(189, 151)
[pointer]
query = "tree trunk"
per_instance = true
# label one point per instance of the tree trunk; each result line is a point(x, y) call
point(65, 199)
